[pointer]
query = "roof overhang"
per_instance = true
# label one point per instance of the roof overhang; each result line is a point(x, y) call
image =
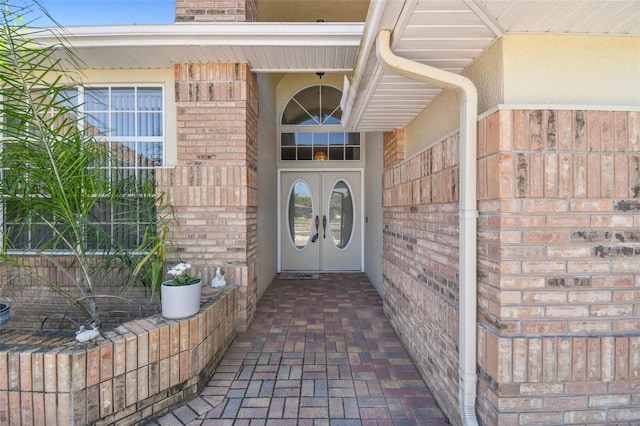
point(449, 35)
point(266, 47)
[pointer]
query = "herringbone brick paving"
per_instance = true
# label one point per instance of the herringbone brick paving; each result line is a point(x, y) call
point(320, 352)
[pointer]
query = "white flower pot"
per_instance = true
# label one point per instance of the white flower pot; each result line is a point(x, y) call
point(180, 301)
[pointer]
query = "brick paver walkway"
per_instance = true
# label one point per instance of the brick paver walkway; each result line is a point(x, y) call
point(320, 352)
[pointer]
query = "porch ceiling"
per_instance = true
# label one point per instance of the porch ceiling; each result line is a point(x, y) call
point(450, 34)
point(266, 47)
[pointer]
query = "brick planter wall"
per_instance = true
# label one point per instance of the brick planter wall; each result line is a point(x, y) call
point(33, 302)
point(138, 371)
point(559, 267)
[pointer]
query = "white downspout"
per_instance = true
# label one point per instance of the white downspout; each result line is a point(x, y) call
point(468, 213)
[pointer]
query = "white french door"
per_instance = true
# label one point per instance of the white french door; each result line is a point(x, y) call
point(320, 220)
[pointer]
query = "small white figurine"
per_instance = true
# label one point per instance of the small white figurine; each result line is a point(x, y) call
point(83, 335)
point(218, 280)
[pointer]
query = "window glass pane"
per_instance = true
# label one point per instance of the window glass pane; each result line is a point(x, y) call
point(123, 124)
point(300, 214)
point(351, 153)
point(123, 154)
point(96, 100)
point(123, 99)
point(97, 124)
point(331, 112)
point(150, 124)
point(295, 114)
point(353, 138)
point(309, 100)
point(39, 235)
point(101, 211)
point(336, 138)
point(126, 234)
point(321, 139)
point(288, 154)
point(304, 139)
point(150, 154)
point(320, 153)
point(336, 153)
point(19, 237)
point(341, 214)
point(149, 99)
point(288, 139)
point(305, 153)
point(69, 97)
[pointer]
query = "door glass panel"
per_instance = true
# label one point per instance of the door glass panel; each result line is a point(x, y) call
point(341, 214)
point(300, 214)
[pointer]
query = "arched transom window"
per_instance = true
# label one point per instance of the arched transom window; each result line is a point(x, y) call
point(310, 127)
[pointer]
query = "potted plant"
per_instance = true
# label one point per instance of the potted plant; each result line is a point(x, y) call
point(180, 295)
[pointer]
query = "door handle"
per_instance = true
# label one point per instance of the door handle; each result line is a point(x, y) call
point(315, 237)
point(324, 226)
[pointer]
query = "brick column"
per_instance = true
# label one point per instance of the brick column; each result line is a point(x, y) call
point(216, 11)
point(213, 188)
point(559, 267)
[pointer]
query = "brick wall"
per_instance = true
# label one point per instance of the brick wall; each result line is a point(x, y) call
point(36, 305)
point(213, 187)
point(138, 371)
point(420, 259)
point(559, 267)
point(216, 10)
point(394, 145)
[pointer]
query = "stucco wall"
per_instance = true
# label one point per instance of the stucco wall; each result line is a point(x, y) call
point(562, 71)
point(373, 210)
point(572, 70)
point(267, 194)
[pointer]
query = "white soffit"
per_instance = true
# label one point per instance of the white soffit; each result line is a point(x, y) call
point(450, 34)
point(266, 47)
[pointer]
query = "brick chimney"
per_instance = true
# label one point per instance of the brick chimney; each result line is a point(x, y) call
point(216, 10)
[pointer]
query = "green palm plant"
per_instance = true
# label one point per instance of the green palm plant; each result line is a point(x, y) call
point(52, 170)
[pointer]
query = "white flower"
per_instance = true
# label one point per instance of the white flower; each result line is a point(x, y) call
point(180, 276)
point(179, 269)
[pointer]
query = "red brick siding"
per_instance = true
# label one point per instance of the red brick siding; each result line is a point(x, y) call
point(393, 148)
point(216, 11)
point(420, 259)
point(559, 267)
point(214, 187)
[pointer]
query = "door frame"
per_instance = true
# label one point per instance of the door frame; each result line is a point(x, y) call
point(361, 215)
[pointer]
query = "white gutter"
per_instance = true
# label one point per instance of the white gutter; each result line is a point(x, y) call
point(221, 34)
point(468, 213)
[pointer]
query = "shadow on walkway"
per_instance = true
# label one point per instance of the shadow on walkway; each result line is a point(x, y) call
point(319, 352)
